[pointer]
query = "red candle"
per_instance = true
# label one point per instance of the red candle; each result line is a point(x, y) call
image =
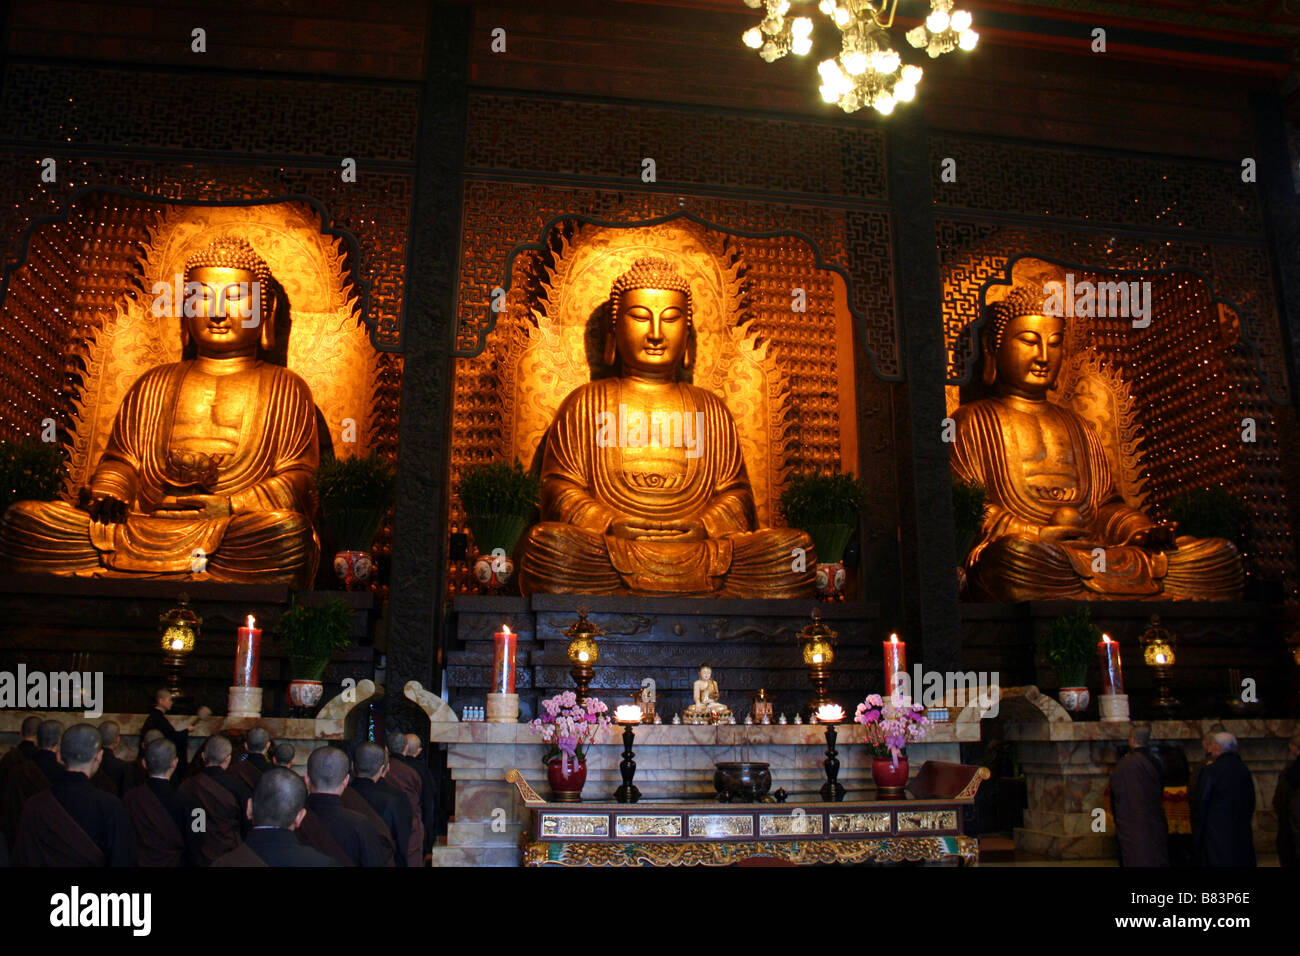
point(895, 664)
point(1112, 674)
point(248, 653)
point(503, 661)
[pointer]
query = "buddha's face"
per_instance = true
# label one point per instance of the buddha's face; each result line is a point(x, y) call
point(226, 319)
point(1030, 356)
point(650, 331)
point(706, 673)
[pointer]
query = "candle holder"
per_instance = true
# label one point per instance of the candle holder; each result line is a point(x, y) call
point(178, 631)
point(818, 642)
point(627, 791)
point(832, 790)
point(1158, 653)
point(583, 651)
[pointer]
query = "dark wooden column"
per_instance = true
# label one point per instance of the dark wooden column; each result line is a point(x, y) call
point(419, 522)
point(1281, 207)
point(927, 551)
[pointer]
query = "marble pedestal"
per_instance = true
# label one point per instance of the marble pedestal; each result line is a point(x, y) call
point(1067, 767)
point(670, 760)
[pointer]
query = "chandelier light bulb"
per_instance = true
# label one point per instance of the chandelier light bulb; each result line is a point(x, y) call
point(885, 104)
point(753, 38)
point(905, 92)
point(968, 39)
point(918, 36)
point(855, 64)
point(782, 8)
point(827, 7)
point(937, 21)
point(961, 20)
point(802, 46)
point(889, 61)
point(911, 75)
point(829, 93)
point(802, 27)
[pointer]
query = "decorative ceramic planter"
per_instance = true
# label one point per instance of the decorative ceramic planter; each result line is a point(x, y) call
point(305, 694)
point(354, 568)
point(493, 572)
point(1075, 699)
point(830, 581)
point(890, 777)
point(567, 776)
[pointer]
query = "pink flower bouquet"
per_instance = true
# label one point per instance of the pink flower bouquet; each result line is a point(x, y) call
point(568, 725)
point(891, 725)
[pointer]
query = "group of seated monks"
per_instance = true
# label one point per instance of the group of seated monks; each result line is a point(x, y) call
point(67, 799)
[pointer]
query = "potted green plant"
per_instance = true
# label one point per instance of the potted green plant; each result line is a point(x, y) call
point(355, 494)
point(968, 513)
point(1069, 644)
point(1210, 513)
point(826, 507)
point(30, 470)
point(311, 634)
point(498, 500)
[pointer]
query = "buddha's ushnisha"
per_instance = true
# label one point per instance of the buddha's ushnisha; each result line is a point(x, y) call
point(208, 470)
point(644, 489)
point(1051, 501)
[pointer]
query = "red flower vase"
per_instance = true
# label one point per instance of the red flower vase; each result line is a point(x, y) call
point(890, 778)
point(567, 776)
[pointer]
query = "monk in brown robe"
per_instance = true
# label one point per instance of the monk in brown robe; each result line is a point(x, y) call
point(222, 797)
point(162, 818)
point(331, 827)
point(644, 488)
point(1054, 526)
point(408, 782)
point(276, 809)
point(1137, 802)
point(207, 474)
point(253, 760)
point(113, 771)
point(23, 750)
point(74, 823)
point(31, 776)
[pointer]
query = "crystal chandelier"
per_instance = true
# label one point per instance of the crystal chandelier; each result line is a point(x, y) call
point(868, 70)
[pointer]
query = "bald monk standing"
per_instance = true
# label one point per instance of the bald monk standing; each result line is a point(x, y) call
point(331, 827)
point(74, 823)
point(276, 808)
point(113, 770)
point(252, 762)
point(163, 818)
point(29, 777)
point(157, 720)
point(403, 778)
point(369, 767)
point(222, 797)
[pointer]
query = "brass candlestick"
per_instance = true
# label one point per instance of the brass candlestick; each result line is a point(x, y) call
point(178, 631)
point(818, 653)
point(1158, 653)
point(583, 651)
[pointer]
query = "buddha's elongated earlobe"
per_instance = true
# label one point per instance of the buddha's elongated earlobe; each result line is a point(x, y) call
point(611, 344)
point(185, 336)
point(989, 374)
point(688, 355)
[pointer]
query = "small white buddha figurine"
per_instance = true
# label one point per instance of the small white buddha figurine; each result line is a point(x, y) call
point(707, 707)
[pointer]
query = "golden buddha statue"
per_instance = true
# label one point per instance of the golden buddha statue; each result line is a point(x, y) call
point(208, 471)
point(644, 489)
point(1050, 499)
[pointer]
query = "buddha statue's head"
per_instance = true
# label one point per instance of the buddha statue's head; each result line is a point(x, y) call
point(651, 334)
point(230, 300)
point(1023, 347)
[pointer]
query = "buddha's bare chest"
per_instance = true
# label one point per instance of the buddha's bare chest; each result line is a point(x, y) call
point(1045, 448)
point(210, 411)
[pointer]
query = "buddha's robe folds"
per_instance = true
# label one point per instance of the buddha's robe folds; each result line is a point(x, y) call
point(268, 537)
point(1033, 458)
point(587, 487)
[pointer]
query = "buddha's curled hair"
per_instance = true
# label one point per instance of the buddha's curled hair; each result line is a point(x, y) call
point(649, 272)
point(231, 252)
point(1022, 300)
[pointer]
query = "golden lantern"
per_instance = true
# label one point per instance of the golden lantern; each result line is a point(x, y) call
point(1158, 653)
point(818, 642)
point(583, 651)
point(178, 631)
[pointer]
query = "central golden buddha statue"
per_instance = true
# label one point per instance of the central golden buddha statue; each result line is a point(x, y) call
point(644, 489)
point(1051, 502)
point(208, 471)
